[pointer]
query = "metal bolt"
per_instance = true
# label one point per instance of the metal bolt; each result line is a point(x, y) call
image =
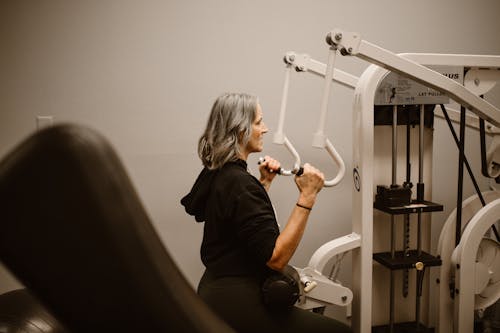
point(338, 36)
point(477, 81)
point(328, 39)
point(349, 49)
point(419, 265)
point(291, 57)
point(344, 298)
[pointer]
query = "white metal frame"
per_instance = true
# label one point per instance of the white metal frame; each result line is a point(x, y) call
point(412, 66)
point(465, 258)
point(360, 241)
point(445, 249)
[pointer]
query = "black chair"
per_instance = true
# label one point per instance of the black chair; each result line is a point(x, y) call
point(20, 312)
point(73, 231)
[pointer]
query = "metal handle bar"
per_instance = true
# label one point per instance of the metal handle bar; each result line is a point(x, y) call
point(320, 140)
point(340, 163)
point(298, 171)
point(279, 136)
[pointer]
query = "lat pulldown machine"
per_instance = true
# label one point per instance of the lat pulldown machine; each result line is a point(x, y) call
point(403, 90)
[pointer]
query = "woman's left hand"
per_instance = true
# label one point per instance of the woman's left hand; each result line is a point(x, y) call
point(268, 170)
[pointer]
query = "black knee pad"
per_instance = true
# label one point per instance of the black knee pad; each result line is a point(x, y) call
point(282, 289)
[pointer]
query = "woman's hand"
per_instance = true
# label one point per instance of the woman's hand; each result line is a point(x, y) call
point(268, 170)
point(309, 184)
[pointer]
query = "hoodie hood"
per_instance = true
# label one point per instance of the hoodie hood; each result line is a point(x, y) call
point(195, 201)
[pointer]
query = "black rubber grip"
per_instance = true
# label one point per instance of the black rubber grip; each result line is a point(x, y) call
point(300, 172)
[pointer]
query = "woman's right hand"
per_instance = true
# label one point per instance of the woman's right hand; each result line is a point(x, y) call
point(309, 184)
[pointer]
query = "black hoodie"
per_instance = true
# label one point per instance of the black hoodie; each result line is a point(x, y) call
point(240, 226)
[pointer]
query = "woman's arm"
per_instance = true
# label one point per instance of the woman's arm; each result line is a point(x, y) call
point(309, 184)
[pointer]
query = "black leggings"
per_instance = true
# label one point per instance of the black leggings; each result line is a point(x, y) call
point(238, 301)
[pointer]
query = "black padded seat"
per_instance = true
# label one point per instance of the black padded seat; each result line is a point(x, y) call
point(20, 312)
point(73, 230)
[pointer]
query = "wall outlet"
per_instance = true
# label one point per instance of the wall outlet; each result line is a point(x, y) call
point(44, 121)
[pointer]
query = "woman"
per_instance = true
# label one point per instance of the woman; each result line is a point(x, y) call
point(242, 244)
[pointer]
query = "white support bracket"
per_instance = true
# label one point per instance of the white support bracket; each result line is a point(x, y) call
point(352, 44)
point(304, 63)
point(327, 251)
point(347, 41)
point(320, 290)
point(325, 291)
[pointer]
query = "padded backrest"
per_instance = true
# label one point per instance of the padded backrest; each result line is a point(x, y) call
point(73, 230)
point(21, 312)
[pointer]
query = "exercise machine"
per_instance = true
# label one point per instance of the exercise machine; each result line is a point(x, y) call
point(401, 91)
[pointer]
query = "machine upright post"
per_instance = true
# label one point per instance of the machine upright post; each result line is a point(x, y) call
point(393, 221)
point(420, 197)
point(406, 228)
point(394, 143)
point(461, 158)
point(394, 170)
point(420, 185)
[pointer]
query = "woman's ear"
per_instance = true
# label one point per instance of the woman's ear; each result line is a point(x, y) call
point(241, 143)
point(241, 135)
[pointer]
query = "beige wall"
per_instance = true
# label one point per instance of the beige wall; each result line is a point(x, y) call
point(145, 74)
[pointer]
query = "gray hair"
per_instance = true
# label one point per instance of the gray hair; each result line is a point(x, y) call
point(229, 126)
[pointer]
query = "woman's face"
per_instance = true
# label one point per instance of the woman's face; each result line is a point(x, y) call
point(256, 141)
